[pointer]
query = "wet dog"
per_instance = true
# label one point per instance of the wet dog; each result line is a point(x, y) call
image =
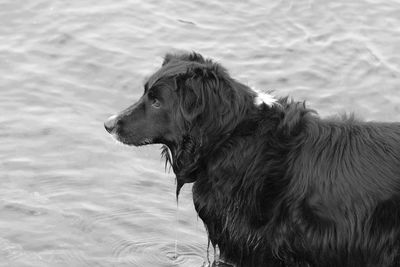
point(274, 184)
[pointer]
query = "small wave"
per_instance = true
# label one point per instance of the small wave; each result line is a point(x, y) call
point(24, 209)
point(158, 252)
point(186, 22)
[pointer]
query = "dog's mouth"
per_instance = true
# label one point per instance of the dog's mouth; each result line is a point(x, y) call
point(132, 141)
point(145, 141)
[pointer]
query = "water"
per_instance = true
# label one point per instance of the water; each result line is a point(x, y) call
point(69, 196)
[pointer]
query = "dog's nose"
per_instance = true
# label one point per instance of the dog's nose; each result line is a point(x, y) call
point(110, 123)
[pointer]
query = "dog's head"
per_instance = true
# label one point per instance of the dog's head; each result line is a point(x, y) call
point(188, 105)
point(188, 95)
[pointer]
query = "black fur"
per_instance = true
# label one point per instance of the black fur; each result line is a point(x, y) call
point(275, 185)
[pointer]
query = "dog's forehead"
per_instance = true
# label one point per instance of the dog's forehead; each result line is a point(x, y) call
point(173, 68)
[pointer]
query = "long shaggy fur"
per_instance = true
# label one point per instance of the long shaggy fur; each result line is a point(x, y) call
point(276, 185)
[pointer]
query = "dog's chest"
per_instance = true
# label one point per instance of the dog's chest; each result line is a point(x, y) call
point(219, 208)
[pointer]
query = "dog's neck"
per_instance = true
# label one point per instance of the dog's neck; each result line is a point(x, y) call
point(186, 156)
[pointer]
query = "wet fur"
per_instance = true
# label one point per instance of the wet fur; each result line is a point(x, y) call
point(276, 185)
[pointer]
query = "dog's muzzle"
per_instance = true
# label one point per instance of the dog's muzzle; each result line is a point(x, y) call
point(110, 123)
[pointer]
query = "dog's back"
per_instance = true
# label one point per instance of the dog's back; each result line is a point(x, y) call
point(347, 173)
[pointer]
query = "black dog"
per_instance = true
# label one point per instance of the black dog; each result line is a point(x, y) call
point(274, 184)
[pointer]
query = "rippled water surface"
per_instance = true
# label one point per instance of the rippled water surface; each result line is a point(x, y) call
point(69, 196)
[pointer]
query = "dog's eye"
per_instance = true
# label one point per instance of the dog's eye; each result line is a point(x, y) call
point(156, 103)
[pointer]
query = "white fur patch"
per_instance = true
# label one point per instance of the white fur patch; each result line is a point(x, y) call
point(266, 98)
point(111, 118)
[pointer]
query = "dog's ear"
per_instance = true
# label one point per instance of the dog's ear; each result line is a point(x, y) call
point(209, 99)
point(194, 57)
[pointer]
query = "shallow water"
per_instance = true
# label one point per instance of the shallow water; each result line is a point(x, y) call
point(69, 196)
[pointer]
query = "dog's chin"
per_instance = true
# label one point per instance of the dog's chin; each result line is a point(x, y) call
point(132, 141)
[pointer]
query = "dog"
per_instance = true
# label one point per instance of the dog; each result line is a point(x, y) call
point(274, 184)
